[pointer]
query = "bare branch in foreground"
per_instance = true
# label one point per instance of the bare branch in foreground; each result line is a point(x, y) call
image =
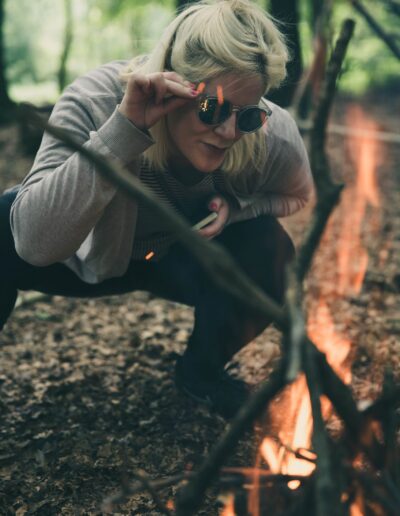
point(328, 192)
point(191, 495)
point(218, 263)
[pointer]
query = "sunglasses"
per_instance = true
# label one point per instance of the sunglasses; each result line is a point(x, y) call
point(213, 111)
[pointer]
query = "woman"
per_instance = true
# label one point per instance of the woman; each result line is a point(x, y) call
point(191, 121)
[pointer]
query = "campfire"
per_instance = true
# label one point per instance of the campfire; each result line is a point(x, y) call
point(286, 459)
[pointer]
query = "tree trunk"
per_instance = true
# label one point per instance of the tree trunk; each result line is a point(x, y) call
point(62, 72)
point(287, 12)
point(5, 101)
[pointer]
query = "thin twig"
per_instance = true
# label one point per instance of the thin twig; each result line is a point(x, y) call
point(390, 42)
point(390, 505)
point(295, 337)
point(191, 495)
point(137, 487)
point(357, 429)
point(147, 484)
point(327, 497)
point(328, 192)
point(378, 409)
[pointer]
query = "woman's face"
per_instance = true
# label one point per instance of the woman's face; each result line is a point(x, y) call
point(202, 147)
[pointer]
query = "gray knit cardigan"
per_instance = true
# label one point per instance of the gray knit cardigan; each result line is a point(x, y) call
point(66, 212)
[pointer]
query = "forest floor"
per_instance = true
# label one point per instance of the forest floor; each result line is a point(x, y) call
point(87, 395)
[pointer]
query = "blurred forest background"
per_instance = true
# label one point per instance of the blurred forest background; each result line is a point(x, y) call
point(47, 43)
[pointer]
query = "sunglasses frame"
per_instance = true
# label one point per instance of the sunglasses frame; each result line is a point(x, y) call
point(236, 109)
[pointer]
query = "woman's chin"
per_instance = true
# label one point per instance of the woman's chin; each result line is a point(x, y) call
point(208, 166)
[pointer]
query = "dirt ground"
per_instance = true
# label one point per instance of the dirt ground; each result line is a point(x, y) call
point(86, 386)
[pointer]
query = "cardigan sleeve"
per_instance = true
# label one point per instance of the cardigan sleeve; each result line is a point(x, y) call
point(63, 196)
point(285, 183)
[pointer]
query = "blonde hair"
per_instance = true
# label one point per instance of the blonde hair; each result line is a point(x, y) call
point(208, 39)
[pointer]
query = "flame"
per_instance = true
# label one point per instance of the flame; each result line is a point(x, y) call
point(295, 433)
point(352, 257)
point(149, 255)
point(201, 87)
point(321, 330)
point(357, 508)
point(342, 268)
point(229, 509)
point(220, 95)
point(170, 505)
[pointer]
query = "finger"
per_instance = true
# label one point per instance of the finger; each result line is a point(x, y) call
point(215, 204)
point(160, 87)
point(172, 103)
point(214, 228)
point(180, 90)
point(139, 81)
point(173, 76)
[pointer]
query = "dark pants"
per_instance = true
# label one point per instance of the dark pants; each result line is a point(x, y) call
point(222, 325)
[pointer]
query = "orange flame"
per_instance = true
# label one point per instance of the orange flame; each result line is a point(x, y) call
point(352, 257)
point(170, 505)
point(357, 507)
point(220, 95)
point(201, 87)
point(348, 261)
point(229, 509)
point(149, 255)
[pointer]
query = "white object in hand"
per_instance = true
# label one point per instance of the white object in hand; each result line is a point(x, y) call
point(205, 221)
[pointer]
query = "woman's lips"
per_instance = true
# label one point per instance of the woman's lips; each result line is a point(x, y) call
point(220, 151)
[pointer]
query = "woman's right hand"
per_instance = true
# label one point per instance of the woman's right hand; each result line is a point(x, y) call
point(150, 97)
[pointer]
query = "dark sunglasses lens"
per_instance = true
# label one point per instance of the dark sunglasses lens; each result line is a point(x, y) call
point(213, 112)
point(251, 119)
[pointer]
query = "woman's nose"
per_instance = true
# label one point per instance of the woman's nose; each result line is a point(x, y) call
point(228, 129)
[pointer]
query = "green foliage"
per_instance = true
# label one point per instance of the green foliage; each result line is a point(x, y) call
point(104, 30)
point(369, 62)
point(119, 29)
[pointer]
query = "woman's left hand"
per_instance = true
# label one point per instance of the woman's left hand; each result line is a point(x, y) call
point(222, 208)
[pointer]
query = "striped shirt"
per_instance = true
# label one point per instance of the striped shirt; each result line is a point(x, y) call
point(152, 234)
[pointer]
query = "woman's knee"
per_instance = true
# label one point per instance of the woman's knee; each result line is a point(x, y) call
point(262, 248)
